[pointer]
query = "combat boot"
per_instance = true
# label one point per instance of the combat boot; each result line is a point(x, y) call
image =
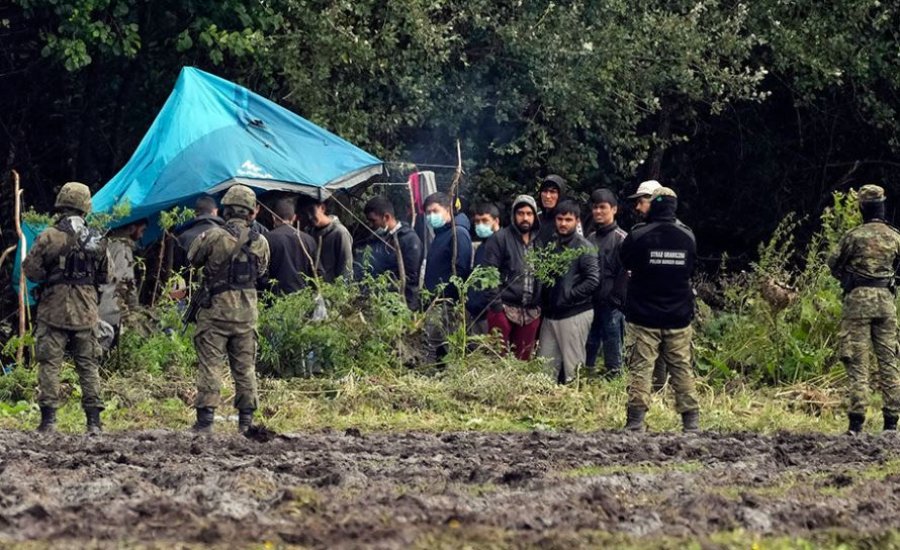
point(890, 420)
point(204, 423)
point(690, 421)
point(634, 419)
point(48, 420)
point(856, 422)
point(245, 420)
point(94, 427)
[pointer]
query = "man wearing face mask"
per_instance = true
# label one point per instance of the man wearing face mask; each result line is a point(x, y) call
point(552, 193)
point(440, 267)
point(396, 250)
point(514, 307)
point(486, 217)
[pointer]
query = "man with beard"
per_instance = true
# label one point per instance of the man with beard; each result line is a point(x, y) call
point(514, 307)
point(568, 303)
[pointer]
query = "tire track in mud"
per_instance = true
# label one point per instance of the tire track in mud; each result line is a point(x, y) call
point(396, 490)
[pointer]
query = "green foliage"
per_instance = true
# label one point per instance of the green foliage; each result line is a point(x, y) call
point(37, 219)
point(368, 327)
point(167, 349)
point(103, 221)
point(552, 262)
point(175, 217)
point(780, 324)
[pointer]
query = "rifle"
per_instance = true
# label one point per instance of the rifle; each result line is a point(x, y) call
point(199, 299)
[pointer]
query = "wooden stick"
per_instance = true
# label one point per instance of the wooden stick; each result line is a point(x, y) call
point(17, 193)
point(453, 190)
point(6, 253)
point(159, 265)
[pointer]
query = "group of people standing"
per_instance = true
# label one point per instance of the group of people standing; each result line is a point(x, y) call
point(627, 296)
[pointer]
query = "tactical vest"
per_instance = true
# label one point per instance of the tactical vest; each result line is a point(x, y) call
point(243, 268)
point(76, 266)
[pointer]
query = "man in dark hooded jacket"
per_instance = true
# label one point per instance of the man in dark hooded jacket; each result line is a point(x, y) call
point(552, 193)
point(514, 306)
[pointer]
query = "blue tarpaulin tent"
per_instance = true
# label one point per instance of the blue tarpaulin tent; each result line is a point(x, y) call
point(212, 133)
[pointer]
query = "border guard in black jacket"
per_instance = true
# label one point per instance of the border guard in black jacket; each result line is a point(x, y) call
point(659, 309)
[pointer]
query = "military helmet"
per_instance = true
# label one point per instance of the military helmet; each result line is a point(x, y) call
point(871, 193)
point(76, 196)
point(240, 195)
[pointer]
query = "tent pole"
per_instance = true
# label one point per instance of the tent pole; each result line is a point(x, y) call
point(17, 193)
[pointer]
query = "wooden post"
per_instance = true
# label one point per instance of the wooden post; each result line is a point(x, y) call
point(17, 193)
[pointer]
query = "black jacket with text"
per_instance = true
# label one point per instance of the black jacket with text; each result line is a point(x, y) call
point(660, 255)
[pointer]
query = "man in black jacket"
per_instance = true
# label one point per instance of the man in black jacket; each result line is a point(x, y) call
point(292, 251)
point(568, 308)
point(608, 328)
point(396, 250)
point(660, 255)
point(514, 308)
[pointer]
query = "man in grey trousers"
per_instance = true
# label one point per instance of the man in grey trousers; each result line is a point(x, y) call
point(568, 308)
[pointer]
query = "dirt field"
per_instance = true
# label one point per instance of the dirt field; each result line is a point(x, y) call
point(561, 490)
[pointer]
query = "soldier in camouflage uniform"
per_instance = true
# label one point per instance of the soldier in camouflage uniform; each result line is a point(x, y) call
point(866, 264)
point(69, 261)
point(233, 257)
point(119, 303)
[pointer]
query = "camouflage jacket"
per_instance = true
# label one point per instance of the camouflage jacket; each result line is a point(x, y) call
point(61, 305)
point(212, 251)
point(119, 296)
point(869, 252)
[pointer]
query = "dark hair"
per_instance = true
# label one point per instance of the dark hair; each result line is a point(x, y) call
point(205, 205)
point(440, 198)
point(568, 207)
point(602, 195)
point(307, 206)
point(381, 206)
point(488, 208)
point(285, 209)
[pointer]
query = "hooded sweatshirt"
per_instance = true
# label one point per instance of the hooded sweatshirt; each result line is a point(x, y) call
point(506, 251)
point(660, 255)
point(334, 250)
point(438, 266)
point(548, 215)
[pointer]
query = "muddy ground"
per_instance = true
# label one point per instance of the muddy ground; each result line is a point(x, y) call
point(162, 488)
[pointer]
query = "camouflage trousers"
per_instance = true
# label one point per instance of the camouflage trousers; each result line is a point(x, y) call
point(643, 346)
point(220, 344)
point(50, 348)
point(858, 336)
